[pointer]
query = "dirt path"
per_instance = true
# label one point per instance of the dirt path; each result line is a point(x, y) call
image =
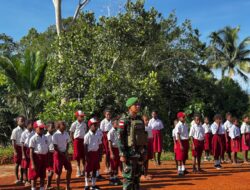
point(228, 178)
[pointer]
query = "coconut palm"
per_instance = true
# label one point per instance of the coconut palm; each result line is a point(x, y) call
point(26, 76)
point(228, 54)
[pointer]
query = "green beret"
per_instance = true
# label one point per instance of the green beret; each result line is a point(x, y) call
point(131, 101)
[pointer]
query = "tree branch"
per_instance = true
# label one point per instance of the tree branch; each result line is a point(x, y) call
point(81, 5)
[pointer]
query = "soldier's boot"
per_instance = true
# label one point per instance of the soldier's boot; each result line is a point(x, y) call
point(128, 184)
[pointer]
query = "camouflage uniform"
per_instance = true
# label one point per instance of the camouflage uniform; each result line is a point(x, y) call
point(132, 144)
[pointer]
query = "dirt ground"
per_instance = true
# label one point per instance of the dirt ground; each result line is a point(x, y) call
point(164, 177)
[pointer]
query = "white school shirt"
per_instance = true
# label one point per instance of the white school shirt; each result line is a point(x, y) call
point(113, 137)
point(227, 125)
point(192, 123)
point(106, 125)
point(182, 130)
point(16, 135)
point(155, 124)
point(245, 128)
point(79, 129)
point(39, 143)
point(197, 132)
point(234, 132)
point(207, 128)
point(149, 131)
point(61, 140)
point(92, 140)
point(100, 135)
point(51, 145)
point(214, 128)
point(25, 137)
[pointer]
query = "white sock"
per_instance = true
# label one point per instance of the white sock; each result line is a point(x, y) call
point(78, 169)
point(183, 168)
point(33, 188)
point(93, 181)
point(86, 182)
point(41, 188)
point(179, 168)
point(97, 173)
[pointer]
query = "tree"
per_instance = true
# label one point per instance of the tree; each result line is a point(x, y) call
point(229, 54)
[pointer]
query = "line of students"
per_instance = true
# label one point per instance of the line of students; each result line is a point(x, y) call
point(216, 139)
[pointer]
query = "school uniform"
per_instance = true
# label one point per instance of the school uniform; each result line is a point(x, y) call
point(16, 135)
point(25, 139)
point(113, 137)
point(245, 130)
point(208, 137)
point(41, 147)
point(105, 127)
point(60, 160)
point(93, 141)
point(217, 141)
point(227, 125)
point(198, 134)
point(50, 165)
point(235, 140)
point(78, 129)
point(150, 142)
point(182, 130)
point(156, 125)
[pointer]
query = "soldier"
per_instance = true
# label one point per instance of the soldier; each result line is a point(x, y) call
point(132, 144)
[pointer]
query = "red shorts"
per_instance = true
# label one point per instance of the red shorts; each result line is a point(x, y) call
point(115, 163)
point(157, 140)
point(26, 162)
point(247, 145)
point(217, 144)
point(199, 147)
point(235, 144)
point(150, 148)
point(40, 161)
point(50, 164)
point(92, 162)
point(182, 155)
point(78, 149)
point(60, 161)
point(228, 144)
point(105, 143)
point(18, 157)
point(208, 142)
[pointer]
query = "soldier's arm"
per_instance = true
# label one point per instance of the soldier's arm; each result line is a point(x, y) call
point(121, 138)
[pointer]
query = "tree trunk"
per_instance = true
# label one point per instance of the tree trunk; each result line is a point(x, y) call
point(58, 14)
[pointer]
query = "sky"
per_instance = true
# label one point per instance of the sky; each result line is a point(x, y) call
point(18, 16)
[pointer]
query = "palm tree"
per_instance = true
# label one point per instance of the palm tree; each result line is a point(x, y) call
point(26, 78)
point(228, 54)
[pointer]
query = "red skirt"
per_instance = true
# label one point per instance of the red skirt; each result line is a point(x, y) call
point(50, 164)
point(247, 146)
point(18, 157)
point(157, 140)
point(78, 149)
point(40, 161)
point(105, 143)
point(223, 142)
point(217, 146)
point(228, 144)
point(150, 149)
point(182, 155)
point(198, 148)
point(26, 162)
point(60, 161)
point(115, 163)
point(208, 142)
point(235, 144)
point(92, 162)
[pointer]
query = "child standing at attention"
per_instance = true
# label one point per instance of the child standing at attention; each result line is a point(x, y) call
point(182, 144)
point(197, 134)
point(77, 133)
point(208, 138)
point(38, 155)
point(217, 141)
point(91, 143)
point(245, 131)
point(17, 146)
point(234, 134)
point(50, 165)
point(61, 141)
point(114, 153)
point(25, 138)
point(227, 125)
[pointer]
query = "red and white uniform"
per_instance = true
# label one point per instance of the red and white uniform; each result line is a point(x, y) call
point(16, 135)
point(50, 165)
point(182, 130)
point(41, 148)
point(61, 140)
point(93, 141)
point(198, 134)
point(113, 138)
point(208, 137)
point(227, 125)
point(235, 140)
point(156, 125)
point(150, 142)
point(217, 141)
point(105, 126)
point(78, 129)
point(245, 130)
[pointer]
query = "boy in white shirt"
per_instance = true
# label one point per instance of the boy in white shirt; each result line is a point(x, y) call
point(245, 132)
point(208, 139)
point(234, 134)
point(227, 125)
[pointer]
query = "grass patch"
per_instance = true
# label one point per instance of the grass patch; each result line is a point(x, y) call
point(6, 151)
